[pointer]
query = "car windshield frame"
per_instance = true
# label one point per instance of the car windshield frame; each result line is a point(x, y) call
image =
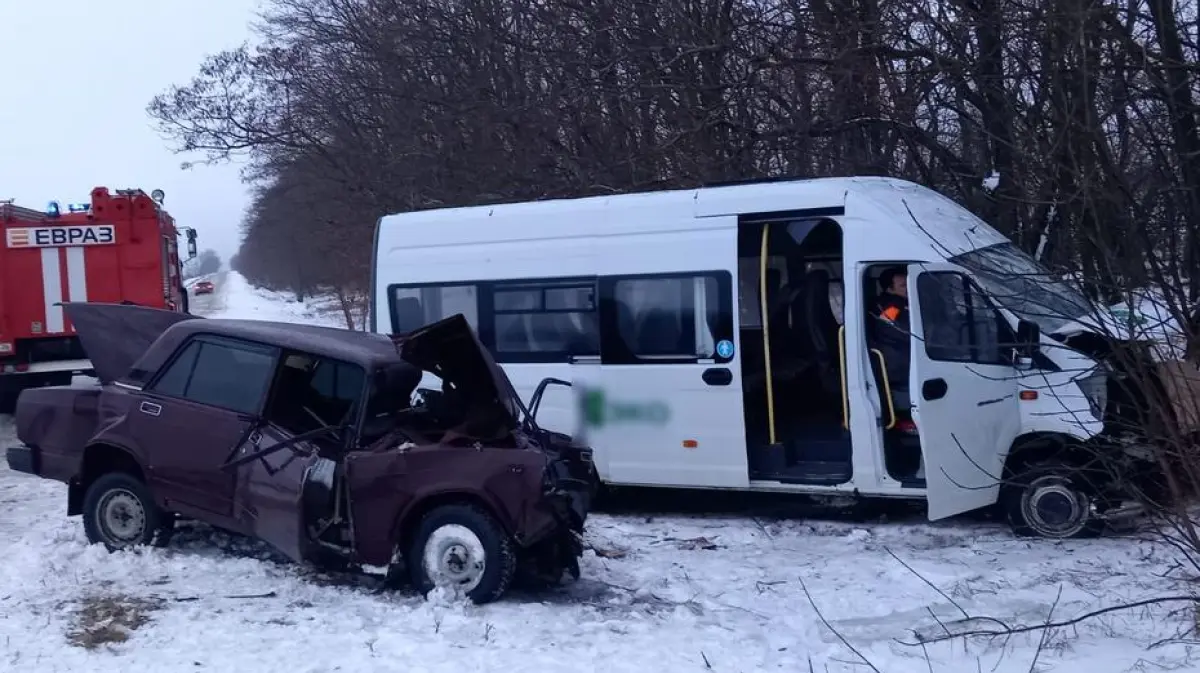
point(1021, 284)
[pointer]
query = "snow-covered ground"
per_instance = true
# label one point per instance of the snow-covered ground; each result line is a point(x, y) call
point(233, 297)
point(658, 592)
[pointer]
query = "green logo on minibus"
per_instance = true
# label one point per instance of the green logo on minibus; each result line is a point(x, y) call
point(1129, 316)
point(598, 410)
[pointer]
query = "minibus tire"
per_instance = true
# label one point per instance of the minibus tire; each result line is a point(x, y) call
point(1047, 485)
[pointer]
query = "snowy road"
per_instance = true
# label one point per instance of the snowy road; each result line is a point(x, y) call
point(208, 304)
point(667, 593)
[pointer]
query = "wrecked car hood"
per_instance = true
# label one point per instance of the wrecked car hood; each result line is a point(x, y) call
point(115, 336)
point(450, 350)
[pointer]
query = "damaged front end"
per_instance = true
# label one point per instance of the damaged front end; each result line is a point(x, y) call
point(473, 442)
point(568, 488)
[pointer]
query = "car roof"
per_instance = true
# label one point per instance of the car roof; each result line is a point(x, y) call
point(368, 349)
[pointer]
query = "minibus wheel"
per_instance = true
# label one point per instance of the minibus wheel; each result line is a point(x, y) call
point(1052, 500)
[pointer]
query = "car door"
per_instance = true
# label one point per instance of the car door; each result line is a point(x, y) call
point(963, 388)
point(309, 396)
point(664, 405)
point(194, 414)
point(270, 485)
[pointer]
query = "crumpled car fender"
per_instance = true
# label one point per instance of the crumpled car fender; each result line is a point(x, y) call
point(390, 492)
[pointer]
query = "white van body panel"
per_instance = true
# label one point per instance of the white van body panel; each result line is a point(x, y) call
point(1062, 407)
point(684, 231)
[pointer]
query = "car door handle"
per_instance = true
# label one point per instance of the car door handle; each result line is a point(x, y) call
point(934, 389)
point(150, 408)
point(717, 376)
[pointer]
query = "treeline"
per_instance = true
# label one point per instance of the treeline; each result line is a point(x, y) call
point(1069, 124)
point(207, 262)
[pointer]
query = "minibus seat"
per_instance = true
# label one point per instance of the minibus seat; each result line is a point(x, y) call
point(546, 334)
point(822, 328)
point(789, 352)
point(626, 326)
point(783, 347)
point(774, 284)
point(659, 333)
point(579, 339)
point(409, 315)
point(514, 337)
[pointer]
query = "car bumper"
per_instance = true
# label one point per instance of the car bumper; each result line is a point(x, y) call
point(22, 459)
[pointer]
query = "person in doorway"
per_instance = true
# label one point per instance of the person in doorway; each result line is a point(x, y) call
point(892, 337)
point(892, 328)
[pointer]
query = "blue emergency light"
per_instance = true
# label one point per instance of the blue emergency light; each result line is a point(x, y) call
point(52, 210)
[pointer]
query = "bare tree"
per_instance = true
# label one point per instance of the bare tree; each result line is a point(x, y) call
point(1069, 124)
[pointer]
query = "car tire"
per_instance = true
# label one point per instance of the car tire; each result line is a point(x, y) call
point(1050, 500)
point(463, 548)
point(119, 512)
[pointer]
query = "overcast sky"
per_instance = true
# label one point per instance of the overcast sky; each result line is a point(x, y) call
point(75, 78)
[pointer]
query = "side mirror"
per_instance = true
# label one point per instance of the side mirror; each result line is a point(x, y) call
point(1029, 339)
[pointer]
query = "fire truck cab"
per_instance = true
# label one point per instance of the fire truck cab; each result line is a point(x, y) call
point(119, 247)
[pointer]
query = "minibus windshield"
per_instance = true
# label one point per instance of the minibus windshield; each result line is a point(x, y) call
point(1019, 283)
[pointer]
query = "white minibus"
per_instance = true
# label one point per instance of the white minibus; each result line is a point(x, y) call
point(729, 337)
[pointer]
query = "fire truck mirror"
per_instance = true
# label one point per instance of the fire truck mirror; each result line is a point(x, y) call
point(191, 248)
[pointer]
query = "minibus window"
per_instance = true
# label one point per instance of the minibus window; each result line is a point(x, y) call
point(666, 318)
point(436, 303)
point(1021, 284)
point(960, 323)
point(548, 320)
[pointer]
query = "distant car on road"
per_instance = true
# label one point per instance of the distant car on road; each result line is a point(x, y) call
point(203, 287)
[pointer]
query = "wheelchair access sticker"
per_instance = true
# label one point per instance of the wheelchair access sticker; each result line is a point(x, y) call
point(725, 348)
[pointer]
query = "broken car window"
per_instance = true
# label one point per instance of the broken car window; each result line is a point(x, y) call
point(223, 373)
point(392, 388)
point(313, 392)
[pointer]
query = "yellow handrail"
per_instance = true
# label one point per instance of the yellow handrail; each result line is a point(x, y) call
point(762, 295)
point(842, 368)
point(887, 388)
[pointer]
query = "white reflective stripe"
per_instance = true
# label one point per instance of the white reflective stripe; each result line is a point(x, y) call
point(76, 274)
point(52, 291)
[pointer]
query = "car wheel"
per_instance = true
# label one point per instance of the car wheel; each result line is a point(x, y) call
point(119, 512)
point(462, 548)
point(1051, 500)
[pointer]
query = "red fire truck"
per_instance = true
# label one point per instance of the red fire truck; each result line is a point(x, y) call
point(120, 247)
